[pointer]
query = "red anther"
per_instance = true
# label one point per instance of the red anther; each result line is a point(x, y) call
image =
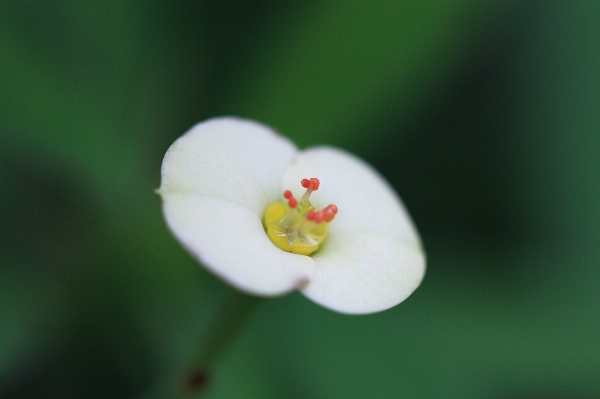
point(305, 183)
point(292, 202)
point(310, 215)
point(333, 208)
point(318, 217)
point(328, 215)
point(314, 183)
point(287, 194)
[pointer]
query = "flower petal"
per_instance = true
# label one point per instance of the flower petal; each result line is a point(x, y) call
point(372, 258)
point(365, 201)
point(229, 158)
point(364, 272)
point(229, 239)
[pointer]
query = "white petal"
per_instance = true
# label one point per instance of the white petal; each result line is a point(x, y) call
point(372, 259)
point(217, 181)
point(229, 239)
point(228, 158)
point(365, 201)
point(364, 272)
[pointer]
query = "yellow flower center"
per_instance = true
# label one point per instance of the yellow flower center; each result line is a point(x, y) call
point(298, 227)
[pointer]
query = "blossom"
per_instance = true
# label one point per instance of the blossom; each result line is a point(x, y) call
point(219, 178)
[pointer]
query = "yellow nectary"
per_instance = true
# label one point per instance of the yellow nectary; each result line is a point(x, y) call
point(297, 227)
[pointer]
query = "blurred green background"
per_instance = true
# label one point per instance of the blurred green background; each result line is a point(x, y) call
point(484, 115)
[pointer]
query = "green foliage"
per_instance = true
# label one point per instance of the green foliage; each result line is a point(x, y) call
point(484, 115)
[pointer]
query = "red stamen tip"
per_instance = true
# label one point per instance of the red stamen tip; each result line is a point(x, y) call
point(314, 183)
point(305, 183)
point(310, 215)
point(328, 215)
point(318, 217)
point(287, 194)
point(292, 202)
point(333, 208)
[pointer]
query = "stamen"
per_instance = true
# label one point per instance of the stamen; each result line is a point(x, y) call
point(292, 204)
point(314, 183)
point(328, 215)
point(298, 228)
point(310, 186)
point(318, 217)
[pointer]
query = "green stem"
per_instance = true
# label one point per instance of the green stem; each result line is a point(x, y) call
point(228, 323)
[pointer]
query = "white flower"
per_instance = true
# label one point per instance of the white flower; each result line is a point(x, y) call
point(219, 178)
